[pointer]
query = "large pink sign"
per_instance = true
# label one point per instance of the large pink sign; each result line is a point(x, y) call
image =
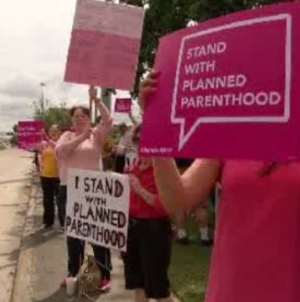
point(29, 134)
point(123, 105)
point(229, 88)
point(105, 44)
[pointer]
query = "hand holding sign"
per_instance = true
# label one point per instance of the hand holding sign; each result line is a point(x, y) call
point(92, 92)
point(229, 80)
point(86, 134)
point(147, 87)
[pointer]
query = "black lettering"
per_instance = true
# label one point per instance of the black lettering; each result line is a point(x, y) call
point(121, 241)
point(76, 182)
point(99, 187)
point(93, 180)
point(68, 221)
point(121, 220)
point(73, 226)
point(100, 234)
point(79, 226)
point(114, 218)
point(106, 236)
point(93, 229)
point(86, 186)
point(89, 199)
point(118, 188)
point(103, 201)
point(86, 229)
point(106, 215)
point(76, 209)
point(114, 238)
point(99, 214)
point(109, 185)
point(96, 201)
point(90, 214)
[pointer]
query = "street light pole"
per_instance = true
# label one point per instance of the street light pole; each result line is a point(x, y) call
point(42, 101)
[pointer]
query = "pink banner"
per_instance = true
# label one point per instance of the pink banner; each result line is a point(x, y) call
point(29, 134)
point(123, 105)
point(228, 88)
point(105, 44)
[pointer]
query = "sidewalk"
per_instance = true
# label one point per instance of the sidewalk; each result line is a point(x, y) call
point(42, 264)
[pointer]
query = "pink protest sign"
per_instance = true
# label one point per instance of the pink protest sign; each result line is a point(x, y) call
point(29, 134)
point(228, 88)
point(123, 105)
point(104, 45)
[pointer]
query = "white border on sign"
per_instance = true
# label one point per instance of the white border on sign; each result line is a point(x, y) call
point(183, 138)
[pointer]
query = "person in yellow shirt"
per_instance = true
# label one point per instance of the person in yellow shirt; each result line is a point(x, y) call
point(49, 174)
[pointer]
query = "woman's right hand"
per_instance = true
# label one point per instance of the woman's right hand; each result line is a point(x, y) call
point(86, 134)
point(148, 87)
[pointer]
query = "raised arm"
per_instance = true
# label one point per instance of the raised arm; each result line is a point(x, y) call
point(106, 118)
point(105, 125)
point(179, 192)
point(183, 192)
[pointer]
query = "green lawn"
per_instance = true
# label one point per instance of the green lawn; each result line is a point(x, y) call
point(189, 268)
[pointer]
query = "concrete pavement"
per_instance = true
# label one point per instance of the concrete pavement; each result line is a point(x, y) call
point(14, 195)
point(42, 263)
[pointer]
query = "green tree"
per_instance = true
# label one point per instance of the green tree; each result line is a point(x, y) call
point(53, 115)
point(165, 16)
point(14, 139)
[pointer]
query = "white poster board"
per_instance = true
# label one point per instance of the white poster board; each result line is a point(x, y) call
point(98, 208)
point(105, 44)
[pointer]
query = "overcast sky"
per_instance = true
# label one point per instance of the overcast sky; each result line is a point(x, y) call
point(34, 39)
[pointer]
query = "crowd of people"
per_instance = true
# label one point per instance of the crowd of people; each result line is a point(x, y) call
point(255, 254)
point(97, 148)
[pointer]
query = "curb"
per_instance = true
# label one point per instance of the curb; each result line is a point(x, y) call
point(22, 277)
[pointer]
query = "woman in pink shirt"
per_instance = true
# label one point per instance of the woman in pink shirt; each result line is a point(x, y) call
point(256, 256)
point(81, 149)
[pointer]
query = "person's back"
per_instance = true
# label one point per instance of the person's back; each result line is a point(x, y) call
point(257, 248)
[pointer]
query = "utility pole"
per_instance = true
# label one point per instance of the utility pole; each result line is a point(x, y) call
point(42, 100)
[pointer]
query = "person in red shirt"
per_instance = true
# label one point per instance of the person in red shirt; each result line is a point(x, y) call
point(148, 255)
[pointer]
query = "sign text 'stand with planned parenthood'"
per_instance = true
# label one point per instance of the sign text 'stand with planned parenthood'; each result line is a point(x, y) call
point(227, 88)
point(97, 208)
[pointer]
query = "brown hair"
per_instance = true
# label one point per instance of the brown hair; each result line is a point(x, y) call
point(85, 110)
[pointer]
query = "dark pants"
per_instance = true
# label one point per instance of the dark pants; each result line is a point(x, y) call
point(76, 246)
point(61, 204)
point(76, 257)
point(50, 191)
point(119, 163)
point(148, 256)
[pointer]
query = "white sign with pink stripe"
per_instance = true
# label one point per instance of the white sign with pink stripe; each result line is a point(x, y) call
point(105, 44)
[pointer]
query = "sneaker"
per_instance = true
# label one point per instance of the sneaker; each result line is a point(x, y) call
point(64, 281)
point(105, 285)
point(183, 241)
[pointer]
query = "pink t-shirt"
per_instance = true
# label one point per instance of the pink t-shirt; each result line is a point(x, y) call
point(256, 257)
point(86, 156)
